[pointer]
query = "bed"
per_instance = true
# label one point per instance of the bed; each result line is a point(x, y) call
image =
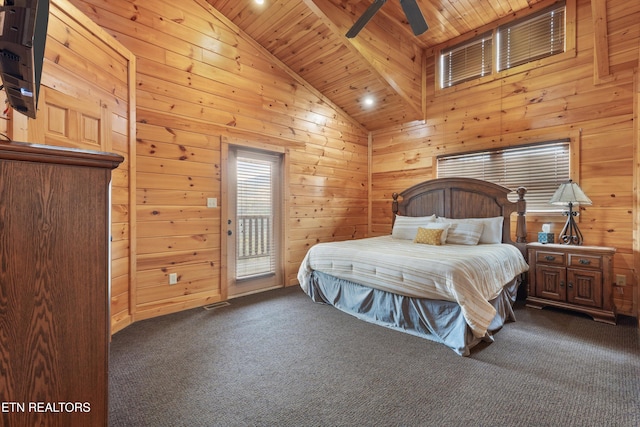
point(448, 272)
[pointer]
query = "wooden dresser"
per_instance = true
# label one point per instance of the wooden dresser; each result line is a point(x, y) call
point(578, 278)
point(54, 285)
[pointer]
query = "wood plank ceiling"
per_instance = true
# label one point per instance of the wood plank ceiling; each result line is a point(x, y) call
point(384, 61)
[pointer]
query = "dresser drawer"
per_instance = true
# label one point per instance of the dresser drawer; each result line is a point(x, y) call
point(585, 261)
point(547, 257)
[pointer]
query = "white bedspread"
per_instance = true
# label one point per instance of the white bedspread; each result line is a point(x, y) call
point(468, 275)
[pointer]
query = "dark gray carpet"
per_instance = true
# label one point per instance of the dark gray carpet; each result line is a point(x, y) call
point(278, 359)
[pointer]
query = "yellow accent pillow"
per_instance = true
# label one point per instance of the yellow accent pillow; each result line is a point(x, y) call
point(429, 236)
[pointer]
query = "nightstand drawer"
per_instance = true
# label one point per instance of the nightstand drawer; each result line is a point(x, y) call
point(585, 261)
point(555, 258)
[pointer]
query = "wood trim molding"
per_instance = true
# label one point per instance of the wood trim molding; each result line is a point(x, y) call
point(636, 188)
point(133, 186)
point(600, 40)
point(224, 215)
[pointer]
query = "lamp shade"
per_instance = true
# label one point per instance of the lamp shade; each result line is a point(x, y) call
point(569, 192)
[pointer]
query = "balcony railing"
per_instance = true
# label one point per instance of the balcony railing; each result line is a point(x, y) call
point(254, 236)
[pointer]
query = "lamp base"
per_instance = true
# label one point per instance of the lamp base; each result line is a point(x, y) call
point(570, 234)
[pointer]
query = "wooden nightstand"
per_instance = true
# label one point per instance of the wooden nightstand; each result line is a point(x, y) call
point(572, 277)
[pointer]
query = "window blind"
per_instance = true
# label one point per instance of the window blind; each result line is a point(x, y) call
point(531, 38)
point(255, 240)
point(465, 62)
point(541, 168)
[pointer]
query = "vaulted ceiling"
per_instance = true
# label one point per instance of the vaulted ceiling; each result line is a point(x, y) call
point(384, 61)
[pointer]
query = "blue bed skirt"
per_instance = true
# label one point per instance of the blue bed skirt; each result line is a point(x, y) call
point(439, 321)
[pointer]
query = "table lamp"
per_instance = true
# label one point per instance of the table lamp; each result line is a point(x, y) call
point(570, 194)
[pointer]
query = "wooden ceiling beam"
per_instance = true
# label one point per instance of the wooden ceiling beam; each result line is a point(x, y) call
point(403, 74)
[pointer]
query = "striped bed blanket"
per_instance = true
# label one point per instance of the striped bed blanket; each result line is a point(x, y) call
point(468, 275)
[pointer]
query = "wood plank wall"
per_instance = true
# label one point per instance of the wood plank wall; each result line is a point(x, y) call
point(548, 101)
point(86, 102)
point(201, 84)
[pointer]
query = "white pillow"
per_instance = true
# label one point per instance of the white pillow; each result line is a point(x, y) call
point(464, 233)
point(406, 227)
point(444, 226)
point(491, 230)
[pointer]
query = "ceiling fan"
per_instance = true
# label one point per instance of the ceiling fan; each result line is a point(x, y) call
point(411, 10)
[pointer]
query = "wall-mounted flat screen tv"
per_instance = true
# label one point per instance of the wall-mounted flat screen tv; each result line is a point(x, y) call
point(23, 33)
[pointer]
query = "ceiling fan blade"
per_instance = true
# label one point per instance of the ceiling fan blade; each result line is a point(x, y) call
point(366, 17)
point(414, 16)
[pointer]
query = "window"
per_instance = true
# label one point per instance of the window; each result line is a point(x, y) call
point(465, 62)
point(532, 38)
point(525, 40)
point(541, 168)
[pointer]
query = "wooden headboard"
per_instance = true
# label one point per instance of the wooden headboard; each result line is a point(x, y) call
point(465, 198)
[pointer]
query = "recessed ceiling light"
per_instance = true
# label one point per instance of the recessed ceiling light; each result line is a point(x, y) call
point(368, 101)
point(259, 1)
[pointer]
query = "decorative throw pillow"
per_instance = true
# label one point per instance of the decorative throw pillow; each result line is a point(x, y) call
point(406, 227)
point(464, 233)
point(429, 236)
point(440, 226)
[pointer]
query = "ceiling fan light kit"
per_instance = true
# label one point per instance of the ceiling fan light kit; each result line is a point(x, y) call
point(410, 8)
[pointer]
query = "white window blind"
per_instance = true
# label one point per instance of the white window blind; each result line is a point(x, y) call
point(531, 38)
point(541, 168)
point(255, 244)
point(465, 62)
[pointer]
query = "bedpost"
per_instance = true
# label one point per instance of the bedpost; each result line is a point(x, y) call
point(394, 208)
point(521, 225)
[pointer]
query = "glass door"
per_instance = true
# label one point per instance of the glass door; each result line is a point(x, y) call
point(254, 224)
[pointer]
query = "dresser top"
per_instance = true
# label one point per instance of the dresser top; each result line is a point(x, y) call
point(25, 151)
